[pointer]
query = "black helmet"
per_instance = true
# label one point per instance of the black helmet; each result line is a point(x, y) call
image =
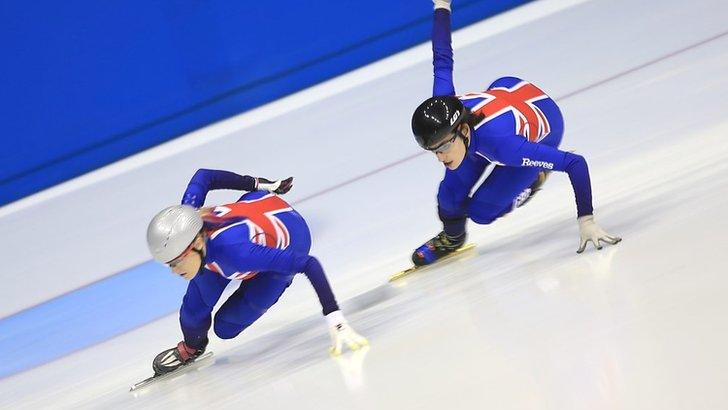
point(436, 118)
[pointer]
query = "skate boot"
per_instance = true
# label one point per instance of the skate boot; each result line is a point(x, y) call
point(174, 358)
point(529, 192)
point(436, 248)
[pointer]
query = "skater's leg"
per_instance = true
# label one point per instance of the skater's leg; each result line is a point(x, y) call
point(253, 298)
point(452, 205)
point(496, 196)
point(452, 196)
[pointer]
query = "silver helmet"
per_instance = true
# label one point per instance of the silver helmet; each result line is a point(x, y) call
point(171, 231)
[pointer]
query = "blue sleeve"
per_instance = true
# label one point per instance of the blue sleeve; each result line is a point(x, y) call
point(442, 57)
point(195, 315)
point(205, 180)
point(257, 258)
point(513, 150)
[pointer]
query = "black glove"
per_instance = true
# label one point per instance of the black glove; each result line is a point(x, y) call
point(279, 187)
point(174, 358)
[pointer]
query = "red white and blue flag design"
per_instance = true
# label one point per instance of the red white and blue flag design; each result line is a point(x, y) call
point(530, 121)
point(264, 227)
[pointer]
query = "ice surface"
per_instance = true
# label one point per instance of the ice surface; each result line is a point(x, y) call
point(523, 322)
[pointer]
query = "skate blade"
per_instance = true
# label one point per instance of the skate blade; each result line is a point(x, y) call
point(406, 272)
point(147, 382)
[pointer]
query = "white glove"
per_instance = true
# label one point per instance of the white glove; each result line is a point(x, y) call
point(442, 4)
point(341, 333)
point(590, 231)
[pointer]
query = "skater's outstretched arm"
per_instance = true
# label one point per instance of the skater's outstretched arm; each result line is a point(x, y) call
point(514, 150)
point(206, 180)
point(442, 55)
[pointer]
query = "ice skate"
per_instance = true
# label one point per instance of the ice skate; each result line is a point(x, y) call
point(439, 248)
point(167, 365)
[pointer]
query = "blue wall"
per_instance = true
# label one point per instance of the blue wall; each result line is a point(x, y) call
point(86, 83)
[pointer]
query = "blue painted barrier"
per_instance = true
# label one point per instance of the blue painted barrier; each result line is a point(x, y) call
point(87, 83)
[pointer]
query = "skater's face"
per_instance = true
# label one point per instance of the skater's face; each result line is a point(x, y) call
point(452, 152)
point(190, 261)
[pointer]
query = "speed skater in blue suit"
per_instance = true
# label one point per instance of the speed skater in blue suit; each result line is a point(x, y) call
point(260, 241)
point(515, 127)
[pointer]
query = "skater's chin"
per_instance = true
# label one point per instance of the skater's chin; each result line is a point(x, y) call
point(189, 275)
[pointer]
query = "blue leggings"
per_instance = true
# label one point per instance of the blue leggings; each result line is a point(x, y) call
point(253, 298)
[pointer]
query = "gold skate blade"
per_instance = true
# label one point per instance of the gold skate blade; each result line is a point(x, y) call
point(401, 274)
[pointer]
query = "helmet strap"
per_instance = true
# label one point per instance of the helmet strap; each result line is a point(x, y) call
point(200, 252)
point(202, 258)
point(466, 141)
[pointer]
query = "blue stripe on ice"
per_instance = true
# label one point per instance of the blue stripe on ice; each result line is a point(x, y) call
point(88, 316)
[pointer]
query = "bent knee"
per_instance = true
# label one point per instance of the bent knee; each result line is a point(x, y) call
point(228, 330)
point(483, 219)
point(484, 214)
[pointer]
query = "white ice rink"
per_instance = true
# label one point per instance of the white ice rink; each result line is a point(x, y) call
point(523, 322)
